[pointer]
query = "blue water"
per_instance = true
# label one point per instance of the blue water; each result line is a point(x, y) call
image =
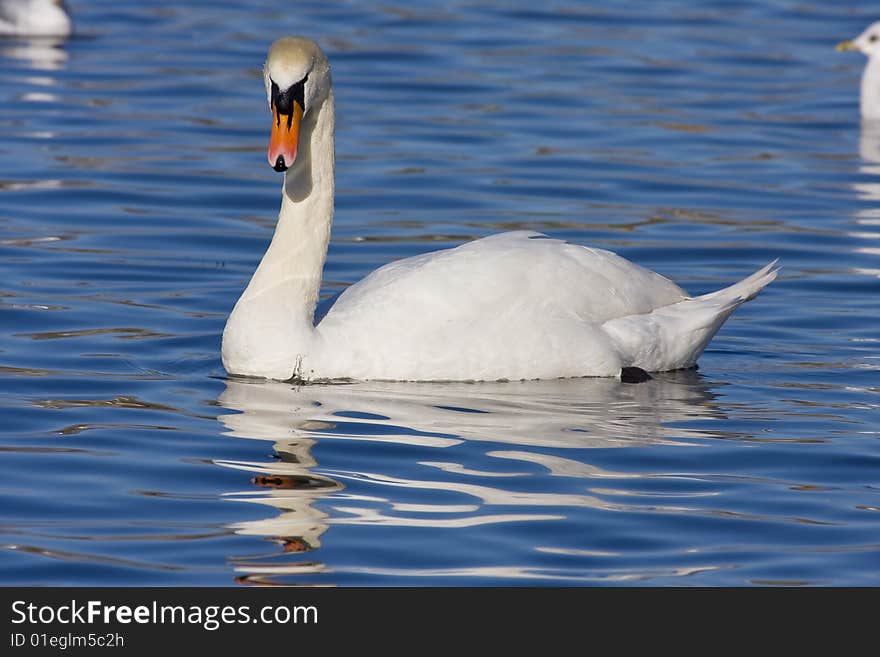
point(701, 141)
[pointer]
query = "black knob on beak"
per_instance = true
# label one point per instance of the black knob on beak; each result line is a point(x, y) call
point(279, 164)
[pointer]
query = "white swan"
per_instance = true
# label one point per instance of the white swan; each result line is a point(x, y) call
point(511, 306)
point(34, 18)
point(868, 43)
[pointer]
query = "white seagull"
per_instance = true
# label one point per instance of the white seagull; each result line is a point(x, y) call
point(34, 18)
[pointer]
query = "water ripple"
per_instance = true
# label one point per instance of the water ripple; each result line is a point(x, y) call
point(135, 203)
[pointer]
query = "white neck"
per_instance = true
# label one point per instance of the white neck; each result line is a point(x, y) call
point(271, 331)
point(870, 92)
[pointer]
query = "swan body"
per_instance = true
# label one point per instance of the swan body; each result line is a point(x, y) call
point(34, 18)
point(516, 305)
point(868, 43)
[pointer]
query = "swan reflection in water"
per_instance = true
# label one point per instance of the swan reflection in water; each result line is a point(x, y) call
point(523, 418)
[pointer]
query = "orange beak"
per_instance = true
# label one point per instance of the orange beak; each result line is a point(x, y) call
point(285, 137)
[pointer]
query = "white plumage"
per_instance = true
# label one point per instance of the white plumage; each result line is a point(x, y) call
point(34, 18)
point(516, 305)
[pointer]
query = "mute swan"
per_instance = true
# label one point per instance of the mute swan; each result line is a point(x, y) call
point(35, 18)
point(868, 43)
point(516, 305)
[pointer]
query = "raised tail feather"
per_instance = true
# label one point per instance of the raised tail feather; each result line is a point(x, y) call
point(748, 288)
point(674, 336)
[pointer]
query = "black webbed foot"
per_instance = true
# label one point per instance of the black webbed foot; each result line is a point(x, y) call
point(634, 375)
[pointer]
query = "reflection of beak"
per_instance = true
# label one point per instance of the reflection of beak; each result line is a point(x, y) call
point(843, 46)
point(285, 137)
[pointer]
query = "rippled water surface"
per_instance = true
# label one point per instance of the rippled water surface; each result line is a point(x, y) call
point(700, 140)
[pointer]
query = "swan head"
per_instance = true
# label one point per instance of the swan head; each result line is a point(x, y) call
point(868, 42)
point(297, 77)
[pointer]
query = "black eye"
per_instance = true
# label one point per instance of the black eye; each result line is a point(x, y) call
point(872, 38)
